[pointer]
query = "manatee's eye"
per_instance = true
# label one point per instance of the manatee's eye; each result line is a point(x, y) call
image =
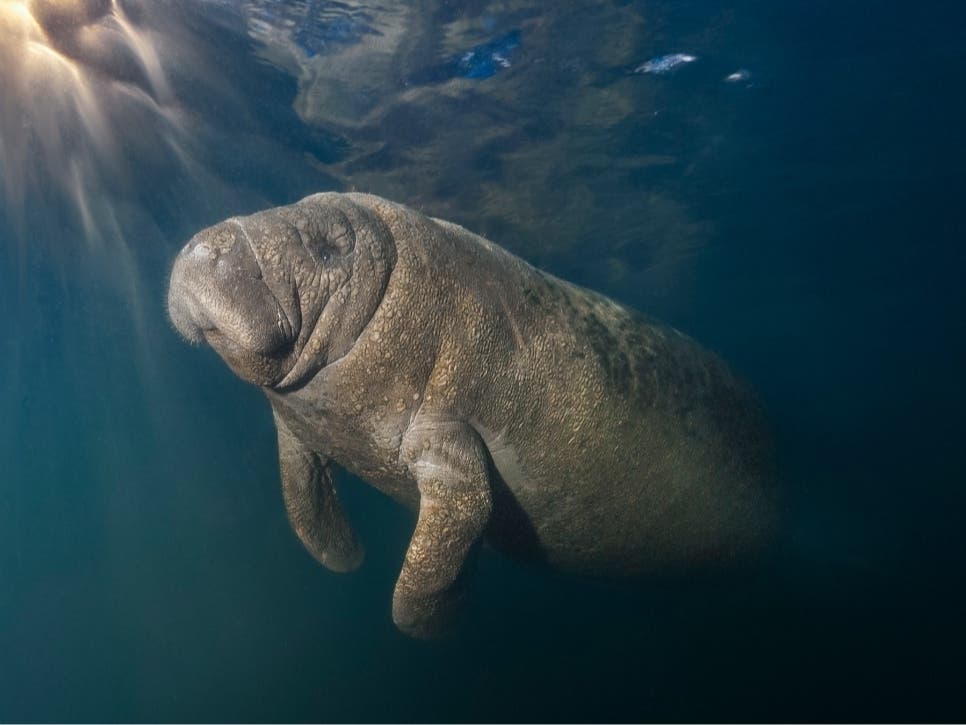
point(321, 248)
point(325, 235)
point(338, 232)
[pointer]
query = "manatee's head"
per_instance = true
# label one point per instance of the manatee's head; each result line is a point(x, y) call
point(284, 292)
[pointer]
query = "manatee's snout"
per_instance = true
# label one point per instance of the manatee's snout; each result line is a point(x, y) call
point(217, 294)
point(188, 315)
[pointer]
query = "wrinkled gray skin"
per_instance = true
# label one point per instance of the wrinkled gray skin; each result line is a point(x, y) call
point(501, 403)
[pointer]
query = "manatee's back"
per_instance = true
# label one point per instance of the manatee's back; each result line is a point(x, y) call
point(621, 445)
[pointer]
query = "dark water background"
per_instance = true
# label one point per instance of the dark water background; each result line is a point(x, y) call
point(807, 224)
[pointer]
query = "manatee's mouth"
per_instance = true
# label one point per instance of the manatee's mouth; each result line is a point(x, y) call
point(187, 316)
point(193, 322)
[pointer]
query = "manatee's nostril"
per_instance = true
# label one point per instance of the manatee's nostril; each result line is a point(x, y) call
point(202, 252)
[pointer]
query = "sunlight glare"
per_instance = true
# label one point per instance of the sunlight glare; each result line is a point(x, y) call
point(77, 73)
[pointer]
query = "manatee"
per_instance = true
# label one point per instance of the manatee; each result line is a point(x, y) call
point(500, 403)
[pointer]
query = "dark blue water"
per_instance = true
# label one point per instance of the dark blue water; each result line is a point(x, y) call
point(806, 222)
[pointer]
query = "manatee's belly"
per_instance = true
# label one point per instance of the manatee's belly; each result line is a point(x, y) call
point(623, 499)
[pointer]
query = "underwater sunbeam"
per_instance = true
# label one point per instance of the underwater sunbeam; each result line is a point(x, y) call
point(105, 139)
point(86, 105)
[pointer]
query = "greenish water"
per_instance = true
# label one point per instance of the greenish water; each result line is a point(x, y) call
point(805, 222)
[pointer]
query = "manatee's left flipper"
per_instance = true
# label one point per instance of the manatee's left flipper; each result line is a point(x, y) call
point(313, 506)
point(449, 463)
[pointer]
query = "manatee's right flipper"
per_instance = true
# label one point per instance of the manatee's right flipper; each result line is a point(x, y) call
point(312, 505)
point(449, 463)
